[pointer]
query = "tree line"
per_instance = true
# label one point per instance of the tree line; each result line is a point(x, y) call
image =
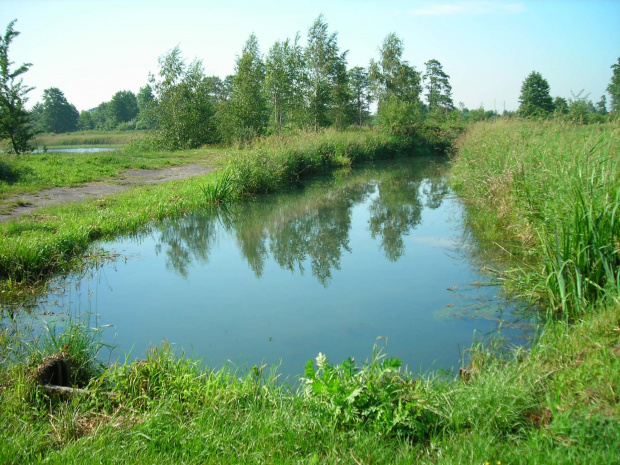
point(535, 100)
point(293, 87)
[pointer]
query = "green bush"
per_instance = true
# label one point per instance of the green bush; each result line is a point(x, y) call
point(376, 395)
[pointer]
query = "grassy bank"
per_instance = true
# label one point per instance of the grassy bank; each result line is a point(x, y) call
point(35, 172)
point(557, 403)
point(548, 194)
point(54, 239)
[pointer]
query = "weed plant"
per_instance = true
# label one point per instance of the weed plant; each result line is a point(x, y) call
point(375, 395)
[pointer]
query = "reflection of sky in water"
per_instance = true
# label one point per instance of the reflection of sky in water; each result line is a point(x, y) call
point(77, 150)
point(443, 242)
point(324, 270)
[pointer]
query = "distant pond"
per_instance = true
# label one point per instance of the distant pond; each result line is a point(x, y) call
point(77, 150)
point(378, 251)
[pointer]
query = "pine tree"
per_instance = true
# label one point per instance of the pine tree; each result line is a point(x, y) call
point(614, 87)
point(15, 121)
point(439, 90)
point(535, 99)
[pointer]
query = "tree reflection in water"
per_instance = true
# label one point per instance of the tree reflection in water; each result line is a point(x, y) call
point(313, 224)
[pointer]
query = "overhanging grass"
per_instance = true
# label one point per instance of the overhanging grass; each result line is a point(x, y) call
point(273, 164)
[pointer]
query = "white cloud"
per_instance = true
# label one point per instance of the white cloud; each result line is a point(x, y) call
point(469, 7)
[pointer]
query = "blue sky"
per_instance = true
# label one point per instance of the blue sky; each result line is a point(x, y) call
point(90, 49)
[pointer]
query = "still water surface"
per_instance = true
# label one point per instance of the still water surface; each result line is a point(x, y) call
point(379, 251)
point(78, 150)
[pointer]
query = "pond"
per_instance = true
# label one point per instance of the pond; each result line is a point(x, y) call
point(77, 150)
point(380, 251)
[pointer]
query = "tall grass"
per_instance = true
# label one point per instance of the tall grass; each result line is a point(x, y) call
point(221, 189)
point(548, 194)
point(273, 164)
point(87, 138)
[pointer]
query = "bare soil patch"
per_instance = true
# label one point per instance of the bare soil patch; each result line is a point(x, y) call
point(26, 203)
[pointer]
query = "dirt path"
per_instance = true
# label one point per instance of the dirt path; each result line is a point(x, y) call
point(26, 203)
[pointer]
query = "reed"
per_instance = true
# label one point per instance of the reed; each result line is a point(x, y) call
point(548, 194)
point(273, 163)
point(87, 138)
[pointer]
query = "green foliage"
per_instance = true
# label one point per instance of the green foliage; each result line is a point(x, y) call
point(440, 137)
point(439, 90)
point(248, 108)
point(614, 87)
point(360, 91)
point(8, 172)
point(549, 195)
point(376, 395)
point(601, 105)
point(58, 114)
point(146, 114)
point(284, 83)
point(100, 117)
point(535, 101)
point(560, 106)
point(396, 87)
point(326, 75)
point(85, 121)
point(15, 121)
point(398, 116)
point(183, 108)
point(122, 108)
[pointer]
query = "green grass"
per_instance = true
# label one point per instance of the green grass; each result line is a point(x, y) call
point(555, 403)
point(35, 172)
point(86, 139)
point(549, 194)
